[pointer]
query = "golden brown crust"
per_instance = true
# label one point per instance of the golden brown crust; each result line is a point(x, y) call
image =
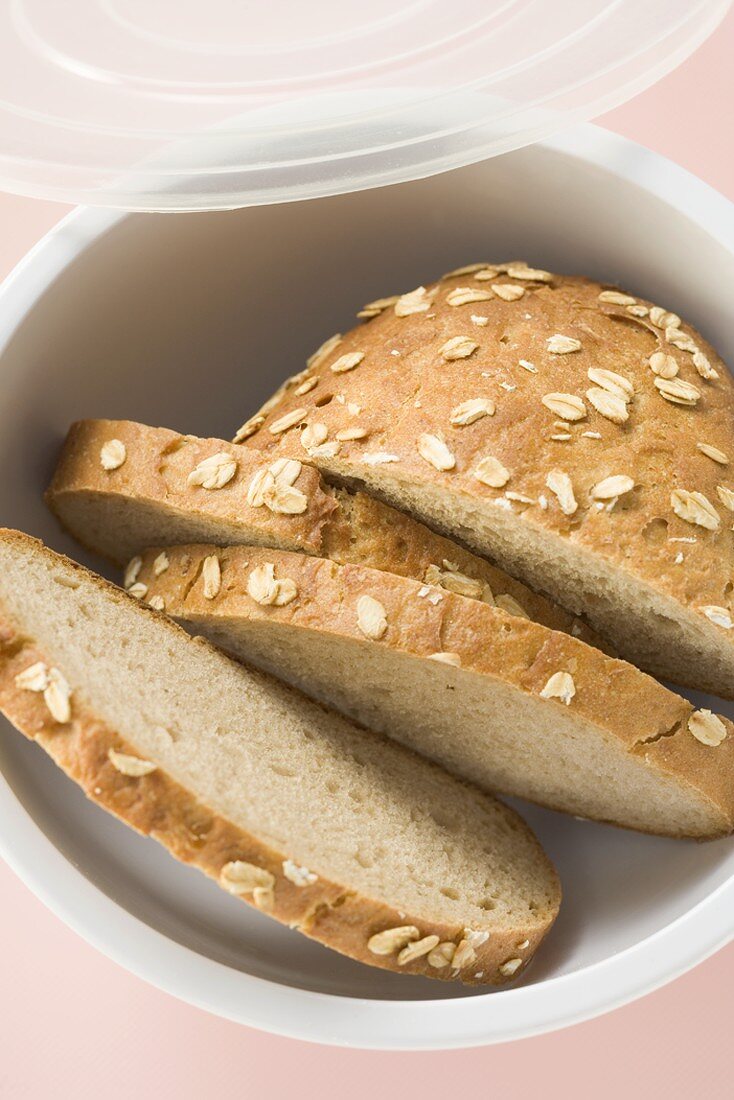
point(617, 698)
point(156, 805)
point(162, 477)
point(347, 527)
point(365, 531)
point(404, 386)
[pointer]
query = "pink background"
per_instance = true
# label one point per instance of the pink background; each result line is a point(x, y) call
point(73, 1024)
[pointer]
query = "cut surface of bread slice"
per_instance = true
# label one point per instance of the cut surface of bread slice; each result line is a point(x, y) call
point(499, 700)
point(120, 487)
point(580, 437)
point(333, 830)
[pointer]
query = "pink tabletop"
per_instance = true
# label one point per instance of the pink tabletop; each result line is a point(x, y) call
point(73, 1024)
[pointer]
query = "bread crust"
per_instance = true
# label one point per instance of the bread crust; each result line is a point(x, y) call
point(644, 717)
point(160, 476)
point(405, 387)
point(156, 805)
point(343, 526)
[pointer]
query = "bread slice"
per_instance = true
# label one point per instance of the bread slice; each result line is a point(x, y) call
point(149, 497)
point(580, 437)
point(501, 701)
point(335, 831)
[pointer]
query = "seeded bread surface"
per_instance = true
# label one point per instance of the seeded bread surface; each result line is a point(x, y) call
point(580, 437)
point(148, 499)
point(497, 699)
point(129, 705)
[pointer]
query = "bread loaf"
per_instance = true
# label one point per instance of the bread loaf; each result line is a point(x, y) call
point(579, 436)
point(335, 831)
point(497, 699)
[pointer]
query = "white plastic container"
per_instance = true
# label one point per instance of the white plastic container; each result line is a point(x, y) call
point(187, 321)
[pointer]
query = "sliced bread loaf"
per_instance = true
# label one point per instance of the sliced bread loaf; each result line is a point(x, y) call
point(581, 437)
point(499, 700)
point(333, 830)
point(120, 487)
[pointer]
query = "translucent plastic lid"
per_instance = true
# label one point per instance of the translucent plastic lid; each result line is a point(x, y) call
point(204, 104)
